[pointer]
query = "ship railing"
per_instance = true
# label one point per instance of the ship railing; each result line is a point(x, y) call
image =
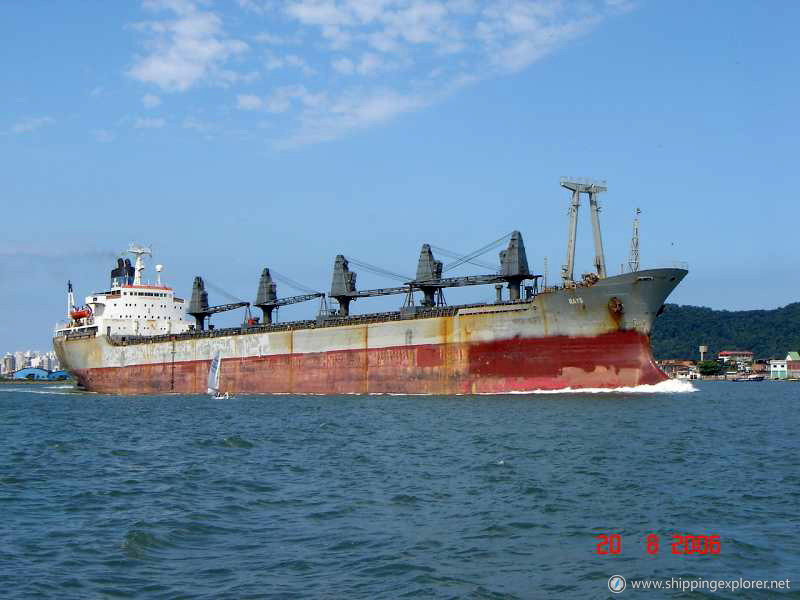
point(663, 264)
point(79, 334)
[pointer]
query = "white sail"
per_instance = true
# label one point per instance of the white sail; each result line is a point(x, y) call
point(213, 375)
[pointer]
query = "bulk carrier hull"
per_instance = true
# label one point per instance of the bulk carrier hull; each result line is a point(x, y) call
point(595, 336)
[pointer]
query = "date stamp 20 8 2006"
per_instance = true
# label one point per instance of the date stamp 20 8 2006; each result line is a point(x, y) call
point(610, 544)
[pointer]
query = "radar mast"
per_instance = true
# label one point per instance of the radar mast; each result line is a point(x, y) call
point(139, 252)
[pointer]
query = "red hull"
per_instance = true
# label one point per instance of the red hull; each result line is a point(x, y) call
point(617, 359)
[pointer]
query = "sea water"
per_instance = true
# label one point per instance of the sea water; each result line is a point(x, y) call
point(394, 496)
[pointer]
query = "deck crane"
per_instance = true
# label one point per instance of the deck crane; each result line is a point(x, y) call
point(198, 305)
point(343, 284)
point(267, 296)
point(456, 255)
point(476, 253)
point(513, 271)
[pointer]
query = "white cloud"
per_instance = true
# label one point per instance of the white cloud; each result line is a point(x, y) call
point(184, 51)
point(149, 123)
point(283, 98)
point(352, 111)
point(369, 64)
point(208, 129)
point(254, 6)
point(272, 39)
point(429, 48)
point(30, 124)
point(249, 102)
point(151, 100)
point(103, 136)
point(505, 35)
point(198, 125)
point(324, 13)
point(288, 61)
point(515, 34)
point(296, 62)
point(344, 65)
point(328, 67)
point(386, 24)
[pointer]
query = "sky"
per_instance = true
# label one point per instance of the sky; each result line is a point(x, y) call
point(236, 135)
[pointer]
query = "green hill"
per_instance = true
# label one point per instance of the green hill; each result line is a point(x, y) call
point(767, 333)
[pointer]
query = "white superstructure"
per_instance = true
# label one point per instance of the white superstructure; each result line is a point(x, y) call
point(130, 307)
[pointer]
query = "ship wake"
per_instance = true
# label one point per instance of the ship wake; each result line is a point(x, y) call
point(670, 386)
point(65, 390)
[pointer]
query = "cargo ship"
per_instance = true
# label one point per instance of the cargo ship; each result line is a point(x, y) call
point(587, 332)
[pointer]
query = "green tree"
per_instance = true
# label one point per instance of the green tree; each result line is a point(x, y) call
point(710, 367)
point(767, 333)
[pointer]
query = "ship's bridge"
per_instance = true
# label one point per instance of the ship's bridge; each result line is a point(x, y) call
point(137, 310)
point(130, 307)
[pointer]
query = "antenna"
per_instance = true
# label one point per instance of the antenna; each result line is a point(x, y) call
point(633, 259)
point(159, 268)
point(546, 269)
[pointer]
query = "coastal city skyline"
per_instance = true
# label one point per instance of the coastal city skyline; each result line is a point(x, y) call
point(14, 360)
point(303, 130)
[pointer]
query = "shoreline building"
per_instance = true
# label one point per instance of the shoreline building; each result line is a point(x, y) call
point(777, 369)
point(741, 360)
point(785, 368)
point(38, 374)
point(793, 365)
point(9, 364)
point(678, 369)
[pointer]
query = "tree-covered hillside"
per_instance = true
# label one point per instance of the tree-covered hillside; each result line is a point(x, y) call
point(768, 333)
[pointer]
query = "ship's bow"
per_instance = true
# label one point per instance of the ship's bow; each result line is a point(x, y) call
point(641, 295)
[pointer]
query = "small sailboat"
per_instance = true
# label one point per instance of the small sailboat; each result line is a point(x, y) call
point(213, 379)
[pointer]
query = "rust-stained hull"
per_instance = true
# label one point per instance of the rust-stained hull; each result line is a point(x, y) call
point(594, 337)
point(611, 360)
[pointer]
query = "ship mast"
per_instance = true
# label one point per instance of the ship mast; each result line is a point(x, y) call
point(139, 252)
point(633, 259)
point(593, 188)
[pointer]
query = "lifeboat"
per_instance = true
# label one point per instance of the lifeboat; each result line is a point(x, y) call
point(80, 313)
